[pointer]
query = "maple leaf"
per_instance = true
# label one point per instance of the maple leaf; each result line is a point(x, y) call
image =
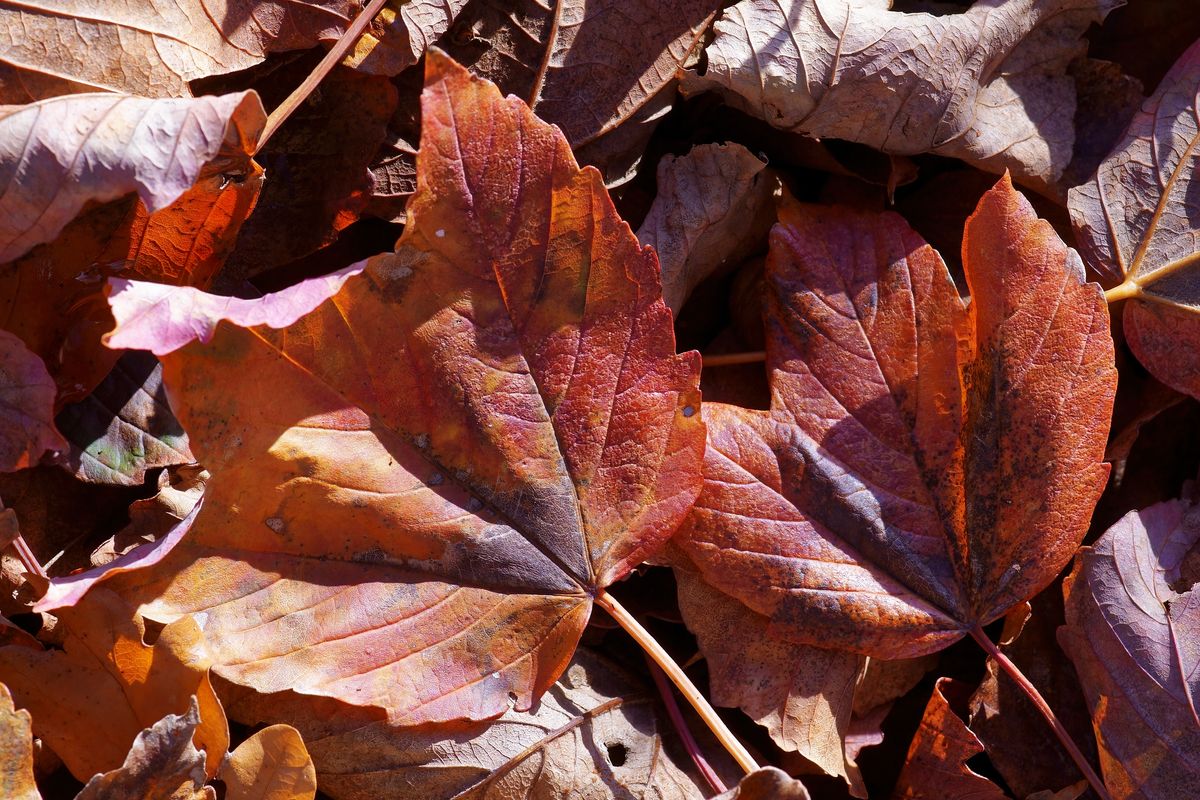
point(936, 766)
point(994, 91)
point(419, 487)
point(926, 465)
point(26, 406)
point(1133, 623)
point(1135, 222)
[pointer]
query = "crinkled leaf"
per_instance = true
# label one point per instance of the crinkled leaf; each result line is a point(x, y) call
point(26, 406)
point(926, 464)
point(90, 699)
point(987, 85)
point(401, 33)
point(418, 486)
point(713, 209)
point(1133, 632)
point(1137, 222)
point(162, 763)
point(16, 751)
point(273, 764)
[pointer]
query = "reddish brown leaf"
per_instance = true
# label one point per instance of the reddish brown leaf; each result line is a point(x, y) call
point(1135, 222)
point(273, 764)
point(926, 465)
point(937, 758)
point(418, 487)
point(1133, 631)
point(26, 407)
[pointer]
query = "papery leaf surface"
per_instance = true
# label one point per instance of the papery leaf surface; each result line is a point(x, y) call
point(273, 764)
point(16, 751)
point(26, 406)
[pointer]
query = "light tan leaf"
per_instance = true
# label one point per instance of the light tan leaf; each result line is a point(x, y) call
point(58, 155)
point(713, 209)
point(988, 85)
point(768, 783)
point(16, 751)
point(401, 33)
point(273, 764)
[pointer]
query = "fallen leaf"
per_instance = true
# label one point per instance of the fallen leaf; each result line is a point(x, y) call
point(768, 783)
point(936, 767)
point(1135, 224)
point(273, 764)
point(90, 700)
point(418, 487)
point(163, 764)
point(400, 34)
point(66, 152)
point(713, 209)
point(153, 50)
point(801, 694)
point(179, 490)
point(993, 91)
point(1133, 624)
point(926, 464)
point(26, 407)
point(16, 751)
point(595, 733)
point(124, 427)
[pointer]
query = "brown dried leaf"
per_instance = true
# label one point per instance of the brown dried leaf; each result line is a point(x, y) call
point(713, 209)
point(16, 751)
point(26, 407)
point(987, 85)
point(400, 34)
point(768, 783)
point(273, 764)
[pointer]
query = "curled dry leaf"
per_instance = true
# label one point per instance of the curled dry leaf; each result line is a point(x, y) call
point(162, 763)
point(993, 91)
point(419, 487)
point(768, 783)
point(26, 406)
point(936, 767)
point(1133, 632)
point(713, 209)
point(926, 465)
point(65, 152)
point(16, 751)
point(147, 49)
point(595, 733)
point(1136, 223)
point(124, 427)
point(802, 695)
point(401, 33)
point(273, 764)
point(90, 699)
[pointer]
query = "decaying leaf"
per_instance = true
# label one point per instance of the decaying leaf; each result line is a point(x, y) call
point(1136, 223)
point(418, 487)
point(937, 758)
point(26, 406)
point(68, 151)
point(768, 783)
point(595, 734)
point(1133, 632)
point(713, 210)
point(987, 85)
point(16, 751)
point(151, 519)
point(163, 764)
point(92, 698)
point(273, 764)
point(401, 33)
point(149, 49)
point(926, 464)
point(125, 426)
point(803, 695)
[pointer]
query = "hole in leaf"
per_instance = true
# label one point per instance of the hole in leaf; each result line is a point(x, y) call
point(616, 753)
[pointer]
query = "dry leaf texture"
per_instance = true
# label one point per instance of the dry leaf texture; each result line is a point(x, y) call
point(26, 407)
point(273, 764)
point(987, 85)
point(926, 464)
point(418, 486)
point(16, 751)
point(1133, 631)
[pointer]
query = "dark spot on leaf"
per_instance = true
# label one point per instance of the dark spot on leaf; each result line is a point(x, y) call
point(616, 753)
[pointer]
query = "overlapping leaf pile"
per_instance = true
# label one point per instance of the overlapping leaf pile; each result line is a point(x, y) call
point(333, 441)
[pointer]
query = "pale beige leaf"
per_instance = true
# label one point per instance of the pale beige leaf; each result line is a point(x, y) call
point(273, 764)
point(16, 751)
point(58, 155)
point(988, 85)
point(768, 783)
point(713, 210)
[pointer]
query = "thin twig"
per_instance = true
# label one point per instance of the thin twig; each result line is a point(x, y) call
point(28, 559)
point(680, 679)
point(1014, 672)
point(681, 727)
point(732, 359)
point(277, 117)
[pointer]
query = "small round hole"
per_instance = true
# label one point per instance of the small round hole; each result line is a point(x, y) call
point(616, 753)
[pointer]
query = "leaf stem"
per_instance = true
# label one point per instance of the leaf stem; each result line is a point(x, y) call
point(732, 359)
point(680, 679)
point(1014, 672)
point(28, 559)
point(277, 117)
point(681, 727)
point(1123, 291)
